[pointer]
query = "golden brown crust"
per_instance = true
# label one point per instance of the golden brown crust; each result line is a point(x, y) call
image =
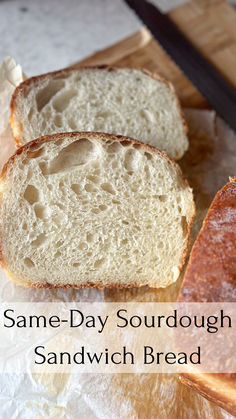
point(99, 285)
point(66, 71)
point(218, 388)
point(211, 277)
point(211, 272)
point(29, 147)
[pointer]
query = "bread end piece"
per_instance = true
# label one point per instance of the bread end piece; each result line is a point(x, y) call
point(211, 277)
point(123, 101)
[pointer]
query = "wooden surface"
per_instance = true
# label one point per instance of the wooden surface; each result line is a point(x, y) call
point(209, 24)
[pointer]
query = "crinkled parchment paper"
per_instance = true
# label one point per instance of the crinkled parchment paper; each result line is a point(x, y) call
point(209, 162)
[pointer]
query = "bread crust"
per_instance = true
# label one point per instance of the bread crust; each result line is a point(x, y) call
point(29, 147)
point(218, 388)
point(67, 71)
point(211, 277)
point(211, 273)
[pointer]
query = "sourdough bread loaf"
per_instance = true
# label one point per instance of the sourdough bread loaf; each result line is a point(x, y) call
point(119, 101)
point(211, 277)
point(93, 210)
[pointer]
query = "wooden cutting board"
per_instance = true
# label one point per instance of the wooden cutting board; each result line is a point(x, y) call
point(209, 24)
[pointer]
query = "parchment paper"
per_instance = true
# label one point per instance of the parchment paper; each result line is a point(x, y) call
point(208, 163)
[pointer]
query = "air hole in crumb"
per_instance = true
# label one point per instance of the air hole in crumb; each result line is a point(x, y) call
point(147, 171)
point(57, 254)
point(114, 147)
point(75, 188)
point(30, 114)
point(94, 179)
point(102, 207)
point(115, 201)
point(60, 141)
point(58, 120)
point(89, 237)
point(39, 241)
point(90, 188)
point(72, 124)
point(98, 263)
point(124, 242)
point(77, 153)
point(38, 152)
point(41, 211)
point(60, 206)
point(44, 168)
point(108, 188)
point(114, 164)
point(31, 194)
point(125, 222)
point(125, 143)
point(103, 115)
point(138, 146)
point(29, 263)
point(148, 155)
point(44, 95)
point(62, 100)
point(75, 264)
point(163, 198)
point(96, 165)
point(130, 161)
point(59, 243)
point(184, 225)
point(58, 219)
point(24, 226)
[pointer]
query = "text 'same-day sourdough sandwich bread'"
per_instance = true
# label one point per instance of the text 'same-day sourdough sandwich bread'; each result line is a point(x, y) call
point(211, 277)
point(119, 101)
point(93, 210)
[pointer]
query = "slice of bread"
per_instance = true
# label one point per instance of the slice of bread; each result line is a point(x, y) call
point(93, 210)
point(211, 277)
point(122, 101)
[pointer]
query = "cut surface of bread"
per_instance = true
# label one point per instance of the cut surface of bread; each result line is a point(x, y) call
point(211, 277)
point(92, 209)
point(119, 101)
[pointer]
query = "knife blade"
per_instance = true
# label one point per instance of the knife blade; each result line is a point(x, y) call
point(218, 92)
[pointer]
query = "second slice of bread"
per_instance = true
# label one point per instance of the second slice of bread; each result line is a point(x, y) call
point(92, 209)
point(119, 101)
